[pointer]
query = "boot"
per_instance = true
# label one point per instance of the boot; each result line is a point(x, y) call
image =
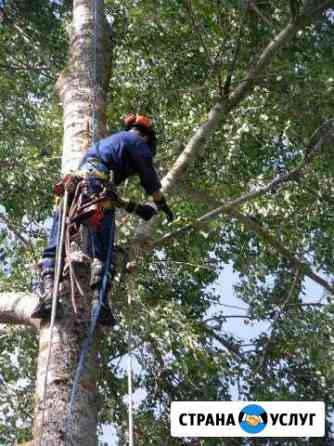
point(106, 317)
point(44, 306)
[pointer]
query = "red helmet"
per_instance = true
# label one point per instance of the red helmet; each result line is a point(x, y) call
point(132, 120)
point(144, 125)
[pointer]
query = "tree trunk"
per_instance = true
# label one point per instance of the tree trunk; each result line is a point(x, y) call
point(53, 425)
point(75, 86)
point(76, 83)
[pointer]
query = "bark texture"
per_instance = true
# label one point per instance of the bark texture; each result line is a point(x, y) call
point(80, 85)
point(82, 99)
point(53, 425)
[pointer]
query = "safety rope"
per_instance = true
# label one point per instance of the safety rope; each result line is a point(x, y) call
point(59, 259)
point(74, 282)
point(130, 391)
point(91, 332)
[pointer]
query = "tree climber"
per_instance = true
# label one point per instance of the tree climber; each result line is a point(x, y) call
point(108, 162)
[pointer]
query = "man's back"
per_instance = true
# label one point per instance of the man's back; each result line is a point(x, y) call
point(126, 154)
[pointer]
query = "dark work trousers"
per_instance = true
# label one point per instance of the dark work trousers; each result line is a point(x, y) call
point(100, 239)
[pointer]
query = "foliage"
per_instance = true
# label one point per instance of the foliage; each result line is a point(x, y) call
point(171, 60)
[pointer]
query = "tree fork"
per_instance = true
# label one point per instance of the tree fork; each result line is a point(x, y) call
point(90, 50)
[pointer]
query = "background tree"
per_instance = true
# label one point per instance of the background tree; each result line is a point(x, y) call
point(241, 95)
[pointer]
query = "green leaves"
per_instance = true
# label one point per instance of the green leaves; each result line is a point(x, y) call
point(171, 60)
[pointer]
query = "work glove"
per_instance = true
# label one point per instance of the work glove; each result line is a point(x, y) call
point(112, 195)
point(144, 211)
point(163, 206)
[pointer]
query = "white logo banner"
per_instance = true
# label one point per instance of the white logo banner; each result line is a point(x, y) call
point(247, 419)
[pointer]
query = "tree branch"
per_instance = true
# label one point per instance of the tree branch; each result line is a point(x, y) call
point(13, 229)
point(252, 4)
point(266, 348)
point(196, 29)
point(224, 342)
point(16, 308)
point(249, 223)
point(199, 140)
point(294, 9)
point(7, 330)
point(325, 133)
point(220, 110)
point(231, 204)
point(225, 89)
point(300, 265)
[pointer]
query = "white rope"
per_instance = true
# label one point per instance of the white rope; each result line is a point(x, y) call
point(130, 401)
point(59, 257)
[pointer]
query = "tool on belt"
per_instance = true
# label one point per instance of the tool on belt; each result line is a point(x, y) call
point(87, 208)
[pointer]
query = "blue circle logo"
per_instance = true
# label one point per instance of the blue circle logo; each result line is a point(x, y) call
point(253, 419)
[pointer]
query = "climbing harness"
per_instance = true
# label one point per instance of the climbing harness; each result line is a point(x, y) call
point(86, 209)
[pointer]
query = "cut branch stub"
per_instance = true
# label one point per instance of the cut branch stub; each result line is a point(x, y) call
point(16, 308)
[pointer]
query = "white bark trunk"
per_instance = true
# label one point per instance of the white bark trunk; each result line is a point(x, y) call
point(51, 419)
point(79, 87)
point(76, 90)
point(76, 85)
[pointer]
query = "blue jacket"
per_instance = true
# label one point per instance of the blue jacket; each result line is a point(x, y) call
point(126, 154)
